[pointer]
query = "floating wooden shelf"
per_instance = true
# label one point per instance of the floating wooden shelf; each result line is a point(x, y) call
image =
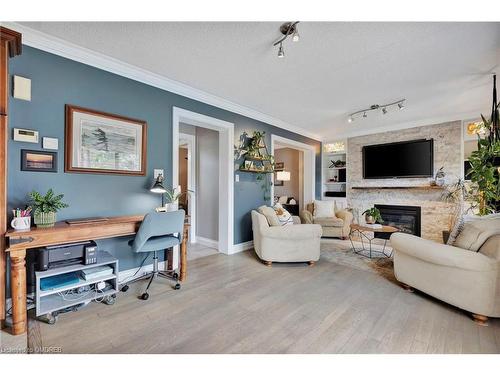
point(423, 187)
point(254, 171)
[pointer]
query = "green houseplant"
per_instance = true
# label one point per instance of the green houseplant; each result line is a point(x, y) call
point(372, 216)
point(485, 163)
point(45, 207)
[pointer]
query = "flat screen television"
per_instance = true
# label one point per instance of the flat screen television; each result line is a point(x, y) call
point(401, 159)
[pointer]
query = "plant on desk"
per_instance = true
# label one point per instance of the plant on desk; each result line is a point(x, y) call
point(45, 207)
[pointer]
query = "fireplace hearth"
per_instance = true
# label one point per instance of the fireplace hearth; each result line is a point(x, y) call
point(405, 218)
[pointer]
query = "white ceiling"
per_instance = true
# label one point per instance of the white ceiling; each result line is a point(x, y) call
point(442, 69)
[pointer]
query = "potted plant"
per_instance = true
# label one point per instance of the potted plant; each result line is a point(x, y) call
point(172, 198)
point(45, 207)
point(485, 162)
point(372, 216)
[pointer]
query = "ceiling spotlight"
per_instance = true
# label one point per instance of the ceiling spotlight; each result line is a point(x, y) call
point(376, 107)
point(287, 29)
point(281, 52)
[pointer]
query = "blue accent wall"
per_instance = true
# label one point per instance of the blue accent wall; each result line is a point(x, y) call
point(57, 81)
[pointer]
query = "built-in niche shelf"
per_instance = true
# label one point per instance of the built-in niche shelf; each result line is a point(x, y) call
point(421, 187)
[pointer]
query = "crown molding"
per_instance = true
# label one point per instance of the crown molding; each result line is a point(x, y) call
point(60, 47)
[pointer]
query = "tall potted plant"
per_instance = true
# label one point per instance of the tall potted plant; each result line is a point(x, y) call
point(485, 162)
point(45, 207)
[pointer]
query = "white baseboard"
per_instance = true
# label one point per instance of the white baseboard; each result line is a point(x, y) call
point(238, 248)
point(207, 242)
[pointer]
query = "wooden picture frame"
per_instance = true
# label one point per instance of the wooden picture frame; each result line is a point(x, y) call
point(38, 161)
point(91, 136)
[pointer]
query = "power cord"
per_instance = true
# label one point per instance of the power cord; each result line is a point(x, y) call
point(125, 287)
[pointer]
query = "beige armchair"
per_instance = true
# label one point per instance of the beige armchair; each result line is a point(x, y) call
point(288, 243)
point(338, 226)
point(467, 279)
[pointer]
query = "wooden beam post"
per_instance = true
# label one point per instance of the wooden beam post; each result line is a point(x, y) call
point(10, 46)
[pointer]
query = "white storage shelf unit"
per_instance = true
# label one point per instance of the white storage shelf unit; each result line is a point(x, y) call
point(48, 301)
point(333, 180)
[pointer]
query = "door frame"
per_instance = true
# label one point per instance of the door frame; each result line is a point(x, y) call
point(191, 182)
point(226, 168)
point(308, 170)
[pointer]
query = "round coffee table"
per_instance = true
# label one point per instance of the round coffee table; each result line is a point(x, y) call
point(362, 231)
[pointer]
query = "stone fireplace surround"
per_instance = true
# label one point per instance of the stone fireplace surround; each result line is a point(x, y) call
point(435, 213)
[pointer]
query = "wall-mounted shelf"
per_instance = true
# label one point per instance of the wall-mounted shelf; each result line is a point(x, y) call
point(422, 187)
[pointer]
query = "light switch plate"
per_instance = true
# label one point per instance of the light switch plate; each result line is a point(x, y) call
point(157, 172)
point(50, 143)
point(22, 88)
point(236, 178)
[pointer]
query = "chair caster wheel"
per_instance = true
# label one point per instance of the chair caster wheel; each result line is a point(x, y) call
point(177, 286)
point(109, 300)
point(124, 288)
point(144, 296)
point(175, 275)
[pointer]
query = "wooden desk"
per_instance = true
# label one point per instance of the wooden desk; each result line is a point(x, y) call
point(21, 241)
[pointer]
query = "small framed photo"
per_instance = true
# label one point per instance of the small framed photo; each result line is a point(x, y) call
point(38, 161)
point(279, 166)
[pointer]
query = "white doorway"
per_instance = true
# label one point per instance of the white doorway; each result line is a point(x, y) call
point(226, 169)
point(307, 166)
point(187, 178)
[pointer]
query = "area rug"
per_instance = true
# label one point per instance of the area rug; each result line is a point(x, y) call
point(340, 252)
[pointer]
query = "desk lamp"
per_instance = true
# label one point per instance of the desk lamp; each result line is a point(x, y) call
point(158, 188)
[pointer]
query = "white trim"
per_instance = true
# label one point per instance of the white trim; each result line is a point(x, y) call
point(238, 248)
point(226, 168)
point(60, 47)
point(208, 242)
point(309, 170)
point(191, 183)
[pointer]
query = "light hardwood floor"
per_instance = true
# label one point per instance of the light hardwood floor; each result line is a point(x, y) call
point(234, 304)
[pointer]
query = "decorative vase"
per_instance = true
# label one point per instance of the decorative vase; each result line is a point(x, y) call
point(369, 219)
point(44, 219)
point(440, 181)
point(173, 206)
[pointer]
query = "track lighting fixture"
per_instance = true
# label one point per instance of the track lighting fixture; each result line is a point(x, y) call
point(287, 29)
point(374, 107)
point(281, 52)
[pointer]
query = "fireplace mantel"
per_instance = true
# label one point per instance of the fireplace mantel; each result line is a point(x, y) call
point(421, 187)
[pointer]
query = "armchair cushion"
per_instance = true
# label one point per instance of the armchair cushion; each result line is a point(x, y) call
point(328, 221)
point(440, 254)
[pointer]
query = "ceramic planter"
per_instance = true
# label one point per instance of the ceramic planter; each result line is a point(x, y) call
point(44, 219)
point(369, 219)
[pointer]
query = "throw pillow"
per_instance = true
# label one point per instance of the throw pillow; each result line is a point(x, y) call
point(283, 199)
point(324, 209)
point(475, 233)
point(284, 217)
point(270, 214)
